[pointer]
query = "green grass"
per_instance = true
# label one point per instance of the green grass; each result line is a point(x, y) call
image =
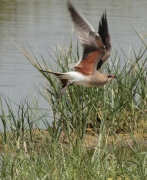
point(114, 147)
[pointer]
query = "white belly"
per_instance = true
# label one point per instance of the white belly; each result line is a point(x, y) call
point(78, 78)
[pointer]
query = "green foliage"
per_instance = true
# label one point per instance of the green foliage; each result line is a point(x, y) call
point(116, 108)
point(120, 103)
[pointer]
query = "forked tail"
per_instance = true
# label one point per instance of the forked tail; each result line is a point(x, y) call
point(64, 81)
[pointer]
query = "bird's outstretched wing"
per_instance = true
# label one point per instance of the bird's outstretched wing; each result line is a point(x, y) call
point(93, 47)
point(104, 34)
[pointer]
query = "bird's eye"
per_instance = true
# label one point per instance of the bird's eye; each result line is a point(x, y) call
point(109, 76)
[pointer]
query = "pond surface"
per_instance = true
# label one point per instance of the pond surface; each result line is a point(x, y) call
point(47, 23)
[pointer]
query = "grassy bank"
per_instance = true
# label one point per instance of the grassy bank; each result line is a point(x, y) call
point(96, 133)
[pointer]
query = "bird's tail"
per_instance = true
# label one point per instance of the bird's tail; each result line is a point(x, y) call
point(63, 77)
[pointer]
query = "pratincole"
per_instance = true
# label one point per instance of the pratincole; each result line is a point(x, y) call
point(96, 50)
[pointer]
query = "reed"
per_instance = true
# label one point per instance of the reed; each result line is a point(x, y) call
point(121, 103)
point(96, 133)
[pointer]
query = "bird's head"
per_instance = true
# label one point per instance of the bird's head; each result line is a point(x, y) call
point(104, 78)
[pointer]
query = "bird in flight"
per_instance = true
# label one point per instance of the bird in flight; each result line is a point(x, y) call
point(96, 50)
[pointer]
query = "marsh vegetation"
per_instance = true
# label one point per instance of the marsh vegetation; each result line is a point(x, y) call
point(96, 133)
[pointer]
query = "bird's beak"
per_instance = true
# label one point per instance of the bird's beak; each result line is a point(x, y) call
point(113, 77)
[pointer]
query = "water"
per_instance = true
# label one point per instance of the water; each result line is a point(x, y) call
point(47, 23)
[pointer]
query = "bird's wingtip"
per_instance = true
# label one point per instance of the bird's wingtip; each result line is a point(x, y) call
point(69, 4)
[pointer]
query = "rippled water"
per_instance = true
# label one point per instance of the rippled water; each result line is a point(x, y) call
point(46, 23)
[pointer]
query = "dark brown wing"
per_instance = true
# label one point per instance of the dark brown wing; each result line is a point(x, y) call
point(104, 33)
point(90, 40)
